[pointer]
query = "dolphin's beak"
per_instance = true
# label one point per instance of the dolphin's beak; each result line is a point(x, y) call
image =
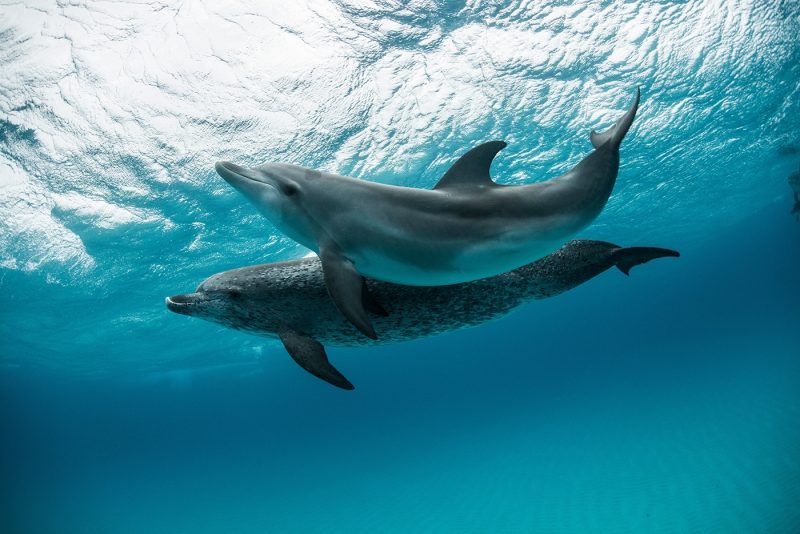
point(231, 172)
point(248, 182)
point(183, 304)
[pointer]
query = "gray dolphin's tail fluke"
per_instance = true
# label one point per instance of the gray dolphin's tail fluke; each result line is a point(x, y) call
point(629, 257)
point(614, 135)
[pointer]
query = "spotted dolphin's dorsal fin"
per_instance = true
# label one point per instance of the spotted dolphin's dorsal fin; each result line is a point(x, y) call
point(472, 169)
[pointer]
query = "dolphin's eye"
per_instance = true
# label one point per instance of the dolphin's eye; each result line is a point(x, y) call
point(234, 294)
point(289, 190)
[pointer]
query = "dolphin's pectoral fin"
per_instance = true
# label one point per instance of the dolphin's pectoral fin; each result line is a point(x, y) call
point(310, 355)
point(345, 286)
point(616, 133)
point(629, 257)
point(371, 304)
point(472, 169)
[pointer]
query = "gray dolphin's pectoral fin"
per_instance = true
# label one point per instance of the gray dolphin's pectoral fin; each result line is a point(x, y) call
point(629, 257)
point(310, 355)
point(616, 133)
point(346, 288)
point(472, 169)
point(371, 304)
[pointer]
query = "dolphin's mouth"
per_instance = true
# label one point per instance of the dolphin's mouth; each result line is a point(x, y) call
point(182, 303)
point(233, 173)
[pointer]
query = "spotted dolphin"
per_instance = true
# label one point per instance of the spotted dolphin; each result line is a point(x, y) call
point(289, 300)
point(468, 227)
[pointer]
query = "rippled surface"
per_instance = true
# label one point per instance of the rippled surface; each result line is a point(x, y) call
point(667, 402)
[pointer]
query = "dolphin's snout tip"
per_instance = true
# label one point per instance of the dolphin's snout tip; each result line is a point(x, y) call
point(232, 173)
point(179, 303)
point(171, 304)
point(224, 168)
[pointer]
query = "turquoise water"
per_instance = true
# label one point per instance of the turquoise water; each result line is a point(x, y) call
point(664, 402)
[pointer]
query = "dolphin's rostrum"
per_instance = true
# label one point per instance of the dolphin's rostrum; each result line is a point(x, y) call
point(289, 300)
point(468, 227)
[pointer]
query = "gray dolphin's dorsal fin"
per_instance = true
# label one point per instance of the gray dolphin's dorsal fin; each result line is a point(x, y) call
point(345, 286)
point(310, 355)
point(472, 169)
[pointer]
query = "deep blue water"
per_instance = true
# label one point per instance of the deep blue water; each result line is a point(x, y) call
point(667, 401)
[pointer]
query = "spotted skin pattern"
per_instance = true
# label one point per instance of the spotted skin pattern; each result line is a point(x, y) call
point(292, 296)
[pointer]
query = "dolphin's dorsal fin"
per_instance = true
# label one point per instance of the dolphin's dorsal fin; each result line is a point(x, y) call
point(472, 169)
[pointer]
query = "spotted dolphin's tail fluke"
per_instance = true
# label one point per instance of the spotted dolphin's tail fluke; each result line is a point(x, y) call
point(629, 257)
point(613, 136)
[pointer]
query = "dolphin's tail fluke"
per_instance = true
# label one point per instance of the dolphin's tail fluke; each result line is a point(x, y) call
point(629, 257)
point(614, 135)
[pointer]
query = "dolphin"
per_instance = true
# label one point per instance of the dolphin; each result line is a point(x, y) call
point(794, 183)
point(289, 300)
point(468, 227)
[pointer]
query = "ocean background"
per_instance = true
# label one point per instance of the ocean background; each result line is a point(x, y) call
point(667, 401)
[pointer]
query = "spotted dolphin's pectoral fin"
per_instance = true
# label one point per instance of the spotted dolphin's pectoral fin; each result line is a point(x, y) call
point(472, 169)
point(629, 257)
point(310, 355)
point(345, 286)
point(371, 304)
point(616, 133)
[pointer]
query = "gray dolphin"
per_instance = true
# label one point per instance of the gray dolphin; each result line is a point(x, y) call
point(289, 300)
point(468, 227)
